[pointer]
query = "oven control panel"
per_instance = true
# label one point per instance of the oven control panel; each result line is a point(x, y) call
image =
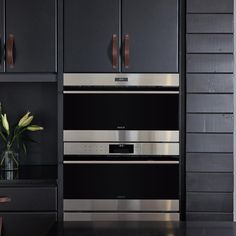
point(74, 148)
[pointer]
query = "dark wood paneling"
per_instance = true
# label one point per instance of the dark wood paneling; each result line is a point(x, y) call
point(33, 25)
point(209, 182)
point(210, 6)
point(210, 43)
point(209, 23)
point(209, 143)
point(210, 202)
point(209, 162)
point(210, 83)
point(210, 63)
point(210, 103)
point(206, 216)
point(30, 199)
point(153, 30)
point(206, 123)
point(209, 87)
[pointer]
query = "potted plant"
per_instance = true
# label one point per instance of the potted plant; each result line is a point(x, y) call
point(13, 139)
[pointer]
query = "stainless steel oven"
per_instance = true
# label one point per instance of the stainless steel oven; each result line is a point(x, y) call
point(121, 190)
point(121, 147)
point(134, 114)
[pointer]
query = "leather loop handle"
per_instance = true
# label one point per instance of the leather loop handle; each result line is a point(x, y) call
point(114, 51)
point(5, 199)
point(126, 51)
point(10, 50)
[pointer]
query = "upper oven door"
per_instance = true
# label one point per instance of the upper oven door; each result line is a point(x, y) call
point(121, 102)
point(121, 109)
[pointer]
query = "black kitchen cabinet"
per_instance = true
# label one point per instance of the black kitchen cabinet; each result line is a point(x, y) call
point(150, 28)
point(118, 36)
point(1, 37)
point(30, 35)
point(89, 27)
point(33, 198)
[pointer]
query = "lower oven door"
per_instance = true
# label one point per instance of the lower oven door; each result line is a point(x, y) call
point(121, 190)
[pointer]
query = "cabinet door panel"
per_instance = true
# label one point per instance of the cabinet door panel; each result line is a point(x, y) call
point(28, 223)
point(32, 23)
point(1, 36)
point(152, 27)
point(29, 199)
point(88, 29)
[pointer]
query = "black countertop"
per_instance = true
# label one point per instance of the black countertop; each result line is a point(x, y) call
point(41, 228)
point(29, 175)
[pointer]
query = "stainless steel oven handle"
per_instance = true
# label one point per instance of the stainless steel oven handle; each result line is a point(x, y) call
point(121, 92)
point(122, 162)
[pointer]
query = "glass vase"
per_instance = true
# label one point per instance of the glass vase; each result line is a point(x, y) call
point(9, 161)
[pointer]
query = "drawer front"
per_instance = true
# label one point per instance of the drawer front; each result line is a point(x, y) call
point(35, 224)
point(29, 199)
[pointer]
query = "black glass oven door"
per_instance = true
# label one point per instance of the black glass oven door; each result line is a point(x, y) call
point(121, 110)
point(121, 181)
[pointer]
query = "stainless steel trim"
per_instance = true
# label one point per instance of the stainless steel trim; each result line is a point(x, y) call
point(121, 136)
point(68, 216)
point(84, 79)
point(150, 205)
point(122, 162)
point(139, 149)
point(121, 92)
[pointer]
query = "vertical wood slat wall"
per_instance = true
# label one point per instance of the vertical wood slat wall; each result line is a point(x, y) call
point(209, 118)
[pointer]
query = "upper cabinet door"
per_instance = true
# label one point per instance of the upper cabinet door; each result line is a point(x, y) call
point(30, 36)
point(1, 37)
point(91, 35)
point(150, 36)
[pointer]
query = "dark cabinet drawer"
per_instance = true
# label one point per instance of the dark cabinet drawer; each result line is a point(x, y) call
point(27, 224)
point(29, 199)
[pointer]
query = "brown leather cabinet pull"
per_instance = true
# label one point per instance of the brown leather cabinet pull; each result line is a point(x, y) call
point(5, 199)
point(114, 51)
point(10, 50)
point(126, 51)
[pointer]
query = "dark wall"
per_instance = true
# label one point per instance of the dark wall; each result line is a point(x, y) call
point(209, 82)
point(41, 100)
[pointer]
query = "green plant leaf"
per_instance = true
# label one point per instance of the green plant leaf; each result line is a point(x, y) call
point(24, 148)
point(3, 137)
point(5, 123)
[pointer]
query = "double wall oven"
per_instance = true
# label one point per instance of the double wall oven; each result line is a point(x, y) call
point(121, 146)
